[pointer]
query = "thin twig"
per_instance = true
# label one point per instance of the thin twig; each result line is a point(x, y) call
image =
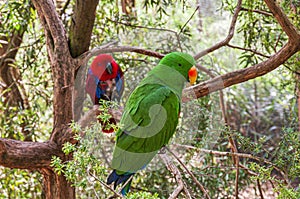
point(176, 173)
point(143, 27)
point(277, 42)
point(257, 11)
point(231, 140)
point(191, 174)
point(248, 49)
point(250, 172)
point(9, 49)
point(186, 191)
point(236, 162)
point(150, 28)
point(92, 186)
point(83, 59)
point(105, 185)
point(188, 20)
point(127, 181)
point(259, 189)
point(222, 153)
point(203, 69)
point(229, 36)
point(63, 10)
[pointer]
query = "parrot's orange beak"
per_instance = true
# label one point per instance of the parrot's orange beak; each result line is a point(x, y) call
point(193, 75)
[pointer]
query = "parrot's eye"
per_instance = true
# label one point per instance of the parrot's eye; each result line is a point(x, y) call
point(109, 68)
point(179, 65)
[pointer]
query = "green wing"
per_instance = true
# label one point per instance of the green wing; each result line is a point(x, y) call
point(148, 122)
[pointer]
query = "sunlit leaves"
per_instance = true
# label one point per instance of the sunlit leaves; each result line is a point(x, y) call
point(85, 162)
point(15, 183)
point(15, 15)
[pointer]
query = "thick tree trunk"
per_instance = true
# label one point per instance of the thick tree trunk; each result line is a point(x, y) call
point(80, 38)
point(63, 69)
point(56, 186)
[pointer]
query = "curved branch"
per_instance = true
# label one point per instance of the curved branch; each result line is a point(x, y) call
point(83, 59)
point(229, 36)
point(61, 62)
point(52, 23)
point(242, 75)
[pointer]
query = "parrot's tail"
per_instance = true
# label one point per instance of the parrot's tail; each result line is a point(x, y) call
point(120, 179)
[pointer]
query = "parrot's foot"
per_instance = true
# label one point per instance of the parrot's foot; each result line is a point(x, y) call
point(162, 150)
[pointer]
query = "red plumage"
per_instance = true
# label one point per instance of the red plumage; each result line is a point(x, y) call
point(99, 64)
point(104, 81)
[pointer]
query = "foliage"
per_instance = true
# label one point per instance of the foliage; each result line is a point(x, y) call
point(142, 195)
point(16, 16)
point(87, 169)
point(35, 82)
point(285, 168)
point(16, 183)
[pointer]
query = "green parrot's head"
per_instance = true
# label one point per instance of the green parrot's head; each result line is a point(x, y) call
point(183, 63)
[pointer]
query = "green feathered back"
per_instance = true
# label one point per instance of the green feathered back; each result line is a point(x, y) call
point(151, 113)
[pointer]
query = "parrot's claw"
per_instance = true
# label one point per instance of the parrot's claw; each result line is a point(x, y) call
point(162, 150)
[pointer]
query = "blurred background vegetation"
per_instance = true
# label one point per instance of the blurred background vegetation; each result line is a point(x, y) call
point(262, 114)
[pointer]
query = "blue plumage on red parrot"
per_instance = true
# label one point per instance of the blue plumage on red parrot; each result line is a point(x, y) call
point(105, 81)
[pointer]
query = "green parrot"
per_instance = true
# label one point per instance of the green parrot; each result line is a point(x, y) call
point(150, 116)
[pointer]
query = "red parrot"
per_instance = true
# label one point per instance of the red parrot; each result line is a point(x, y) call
point(105, 81)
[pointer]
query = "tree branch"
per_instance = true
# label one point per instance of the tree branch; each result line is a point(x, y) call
point(105, 185)
point(83, 59)
point(257, 11)
point(229, 36)
point(62, 72)
point(283, 20)
point(27, 155)
point(51, 22)
point(82, 25)
point(248, 49)
point(245, 74)
point(176, 173)
point(191, 174)
point(236, 154)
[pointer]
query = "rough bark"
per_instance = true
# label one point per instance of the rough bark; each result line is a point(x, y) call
point(80, 36)
point(27, 155)
point(242, 75)
point(56, 186)
point(62, 64)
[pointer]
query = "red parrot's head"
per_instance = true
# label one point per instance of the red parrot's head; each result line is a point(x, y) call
point(104, 67)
